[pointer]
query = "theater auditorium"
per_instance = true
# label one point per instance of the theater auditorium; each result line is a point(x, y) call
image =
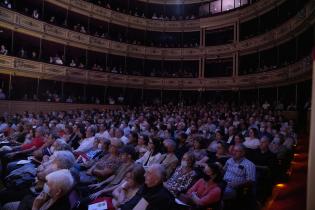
point(157, 105)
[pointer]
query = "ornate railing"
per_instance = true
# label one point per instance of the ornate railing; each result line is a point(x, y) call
point(290, 74)
point(16, 21)
point(229, 18)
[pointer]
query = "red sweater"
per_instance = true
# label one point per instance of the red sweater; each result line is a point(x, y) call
point(37, 142)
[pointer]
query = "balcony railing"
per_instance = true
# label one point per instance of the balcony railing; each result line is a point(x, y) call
point(299, 71)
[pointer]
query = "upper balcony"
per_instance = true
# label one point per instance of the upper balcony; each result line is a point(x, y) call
point(229, 17)
point(33, 27)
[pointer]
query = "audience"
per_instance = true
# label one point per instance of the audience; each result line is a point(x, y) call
point(144, 157)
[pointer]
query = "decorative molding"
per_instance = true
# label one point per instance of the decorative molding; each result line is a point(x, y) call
point(33, 27)
point(290, 74)
point(217, 21)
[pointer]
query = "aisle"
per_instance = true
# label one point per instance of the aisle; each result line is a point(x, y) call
point(292, 195)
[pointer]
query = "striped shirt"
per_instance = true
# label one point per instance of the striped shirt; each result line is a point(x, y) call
point(239, 172)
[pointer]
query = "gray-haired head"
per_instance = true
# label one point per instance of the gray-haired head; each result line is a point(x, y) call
point(63, 159)
point(155, 175)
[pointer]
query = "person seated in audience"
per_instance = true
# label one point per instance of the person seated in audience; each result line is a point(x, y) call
point(220, 156)
point(35, 14)
point(213, 145)
point(266, 169)
point(182, 146)
point(169, 159)
point(3, 50)
point(198, 148)
point(206, 191)
point(239, 172)
point(7, 4)
point(87, 143)
point(34, 55)
point(183, 176)
point(251, 142)
point(104, 167)
point(52, 144)
point(115, 181)
point(54, 195)
point(152, 156)
point(142, 146)
point(72, 63)
point(91, 153)
point(82, 29)
point(154, 195)
point(52, 19)
point(59, 160)
point(238, 140)
point(154, 17)
point(22, 53)
point(26, 148)
point(57, 60)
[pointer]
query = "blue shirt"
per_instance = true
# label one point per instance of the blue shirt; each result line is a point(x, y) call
point(239, 172)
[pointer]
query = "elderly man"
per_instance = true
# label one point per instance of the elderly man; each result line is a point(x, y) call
point(239, 172)
point(55, 193)
point(155, 196)
point(59, 160)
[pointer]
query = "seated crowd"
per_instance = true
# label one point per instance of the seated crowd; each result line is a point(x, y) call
point(215, 156)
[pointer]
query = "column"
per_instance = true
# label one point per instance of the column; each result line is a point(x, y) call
point(311, 153)
point(236, 64)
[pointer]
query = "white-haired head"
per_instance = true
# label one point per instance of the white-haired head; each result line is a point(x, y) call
point(59, 183)
point(155, 175)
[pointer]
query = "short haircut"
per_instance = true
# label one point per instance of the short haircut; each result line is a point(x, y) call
point(170, 142)
point(159, 170)
point(64, 159)
point(138, 174)
point(62, 179)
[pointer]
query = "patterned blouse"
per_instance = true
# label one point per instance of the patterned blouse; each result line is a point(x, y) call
point(108, 162)
point(180, 181)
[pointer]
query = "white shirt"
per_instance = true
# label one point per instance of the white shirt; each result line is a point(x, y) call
point(104, 135)
point(86, 145)
point(124, 139)
point(251, 143)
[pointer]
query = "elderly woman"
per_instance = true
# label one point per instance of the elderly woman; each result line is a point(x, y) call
point(55, 193)
point(183, 176)
point(169, 160)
